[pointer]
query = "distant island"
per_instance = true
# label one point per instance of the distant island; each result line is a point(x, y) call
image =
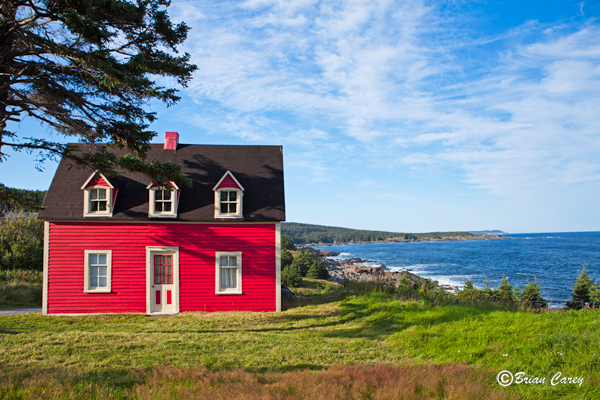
point(308, 234)
point(489, 233)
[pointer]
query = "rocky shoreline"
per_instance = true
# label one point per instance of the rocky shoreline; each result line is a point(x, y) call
point(354, 269)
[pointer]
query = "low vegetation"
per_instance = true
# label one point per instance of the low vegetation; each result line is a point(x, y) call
point(359, 341)
point(20, 288)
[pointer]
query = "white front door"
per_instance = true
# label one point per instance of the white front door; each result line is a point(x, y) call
point(163, 282)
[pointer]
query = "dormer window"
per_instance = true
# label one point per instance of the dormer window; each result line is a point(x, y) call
point(163, 200)
point(98, 200)
point(99, 196)
point(229, 202)
point(229, 195)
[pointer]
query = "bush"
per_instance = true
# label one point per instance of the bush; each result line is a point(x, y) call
point(505, 291)
point(318, 271)
point(581, 290)
point(287, 243)
point(532, 295)
point(290, 276)
point(470, 292)
point(21, 241)
point(303, 261)
point(286, 258)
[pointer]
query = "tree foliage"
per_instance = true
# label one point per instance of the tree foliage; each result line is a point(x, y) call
point(21, 241)
point(28, 200)
point(581, 289)
point(287, 243)
point(87, 69)
point(532, 294)
point(290, 276)
point(307, 233)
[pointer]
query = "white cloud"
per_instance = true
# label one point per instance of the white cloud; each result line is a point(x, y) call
point(396, 82)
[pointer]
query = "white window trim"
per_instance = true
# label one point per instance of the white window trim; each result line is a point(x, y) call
point(86, 283)
point(174, 201)
point(240, 203)
point(87, 199)
point(218, 255)
point(109, 197)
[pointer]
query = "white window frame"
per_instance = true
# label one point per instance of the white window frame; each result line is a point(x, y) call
point(152, 213)
point(239, 202)
point(218, 255)
point(87, 198)
point(86, 284)
point(240, 198)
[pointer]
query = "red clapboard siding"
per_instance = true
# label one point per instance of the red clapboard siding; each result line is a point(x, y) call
point(197, 246)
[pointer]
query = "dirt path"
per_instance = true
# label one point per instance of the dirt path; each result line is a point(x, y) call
point(20, 311)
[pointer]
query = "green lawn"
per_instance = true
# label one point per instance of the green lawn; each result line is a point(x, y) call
point(126, 355)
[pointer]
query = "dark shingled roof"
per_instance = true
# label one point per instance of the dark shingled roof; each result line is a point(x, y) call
point(259, 169)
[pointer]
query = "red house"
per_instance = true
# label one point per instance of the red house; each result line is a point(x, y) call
point(126, 245)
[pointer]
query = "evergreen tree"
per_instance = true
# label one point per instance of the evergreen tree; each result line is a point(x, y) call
point(313, 271)
point(505, 290)
point(303, 261)
point(488, 292)
point(318, 270)
point(85, 68)
point(532, 295)
point(581, 290)
point(595, 295)
point(287, 243)
point(286, 258)
point(290, 276)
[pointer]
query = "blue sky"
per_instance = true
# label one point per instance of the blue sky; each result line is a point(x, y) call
point(398, 115)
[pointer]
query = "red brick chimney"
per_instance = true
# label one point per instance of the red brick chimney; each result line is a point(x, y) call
point(171, 141)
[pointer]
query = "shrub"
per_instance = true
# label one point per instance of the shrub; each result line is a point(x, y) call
point(531, 296)
point(286, 258)
point(470, 292)
point(581, 290)
point(317, 270)
point(21, 241)
point(287, 243)
point(505, 290)
point(290, 276)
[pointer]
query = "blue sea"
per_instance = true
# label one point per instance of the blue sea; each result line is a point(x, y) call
point(555, 259)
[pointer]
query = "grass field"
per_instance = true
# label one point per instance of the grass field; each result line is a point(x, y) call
point(336, 345)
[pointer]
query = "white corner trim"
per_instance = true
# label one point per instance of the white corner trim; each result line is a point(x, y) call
point(218, 255)
point(93, 175)
point(45, 282)
point(162, 249)
point(232, 177)
point(278, 266)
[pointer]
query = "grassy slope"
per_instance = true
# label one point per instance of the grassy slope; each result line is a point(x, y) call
point(80, 356)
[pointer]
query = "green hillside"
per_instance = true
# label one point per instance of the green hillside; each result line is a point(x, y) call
point(307, 233)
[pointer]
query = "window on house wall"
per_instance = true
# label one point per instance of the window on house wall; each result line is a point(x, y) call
point(97, 271)
point(229, 202)
point(163, 201)
point(229, 196)
point(228, 273)
point(98, 200)
point(163, 269)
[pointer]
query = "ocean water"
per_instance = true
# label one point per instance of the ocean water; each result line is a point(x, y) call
point(555, 259)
